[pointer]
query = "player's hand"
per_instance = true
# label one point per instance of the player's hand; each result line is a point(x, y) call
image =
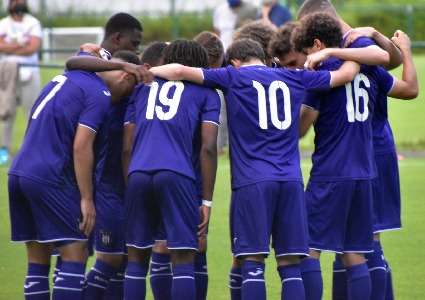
point(205, 220)
point(88, 213)
point(313, 60)
point(358, 32)
point(93, 49)
point(402, 41)
point(139, 72)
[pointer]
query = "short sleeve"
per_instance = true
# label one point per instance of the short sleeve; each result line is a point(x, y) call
point(217, 78)
point(96, 110)
point(362, 42)
point(316, 80)
point(386, 80)
point(312, 100)
point(211, 109)
point(35, 30)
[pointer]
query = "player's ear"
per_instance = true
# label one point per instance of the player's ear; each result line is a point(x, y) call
point(236, 63)
point(147, 66)
point(317, 45)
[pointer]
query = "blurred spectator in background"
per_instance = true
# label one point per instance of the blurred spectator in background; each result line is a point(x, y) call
point(20, 40)
point(231, 15)
point(275, 13)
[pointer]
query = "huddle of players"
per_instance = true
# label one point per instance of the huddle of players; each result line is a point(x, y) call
point(167, 147)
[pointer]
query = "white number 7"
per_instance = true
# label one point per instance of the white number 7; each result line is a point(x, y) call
point(60, 79)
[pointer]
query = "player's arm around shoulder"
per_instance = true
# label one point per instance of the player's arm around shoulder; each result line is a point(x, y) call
point(179, 72)
point(408, 87)
point(346, 73)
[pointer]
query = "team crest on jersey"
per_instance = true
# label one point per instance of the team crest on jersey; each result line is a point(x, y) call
point(106, 238)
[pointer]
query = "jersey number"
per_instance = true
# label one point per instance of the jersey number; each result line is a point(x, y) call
point(60, 79)
point(274, 87)
point(353, 106)
point(172, 102)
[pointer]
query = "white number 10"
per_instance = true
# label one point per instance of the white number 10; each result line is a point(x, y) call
point(353, 106)
point(262, 104)
point(60, 79)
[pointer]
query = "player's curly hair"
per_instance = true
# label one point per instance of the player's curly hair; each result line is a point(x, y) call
point(154, 54)
point(281, 43)
point(186, 52)
point(212, 43)
point(321, 26)
point(257, 31)
point(244, 50)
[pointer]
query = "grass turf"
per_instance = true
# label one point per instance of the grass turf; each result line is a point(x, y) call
point(402, 248)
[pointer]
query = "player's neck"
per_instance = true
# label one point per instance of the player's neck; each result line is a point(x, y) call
point(344, 26)
point(253, 62)
point(107, 46)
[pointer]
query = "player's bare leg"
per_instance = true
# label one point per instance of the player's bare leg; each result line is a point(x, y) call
point(289, 270)
point(358, 278)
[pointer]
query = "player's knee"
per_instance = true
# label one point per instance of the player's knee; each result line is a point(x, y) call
point(141, 256)
point(314, 254)
point(182, 256)
point(39, 253)
point(352, 259)
point(288, 260)
point(258, 258)
point(114, 260)
point(237, 262)
point(161, 247)
point(76, 252)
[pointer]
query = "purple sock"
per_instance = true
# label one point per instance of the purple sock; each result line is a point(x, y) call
point(135, 281)
point(201, 276)
point(36, 285)
point(70, 281)
point(292, 282)
point(161, 276)
point(183, 282)
point(389, 293)
point(359, 285)
point(312, 278)
point(97, 280)
point(377, 271)
point(115, 290)
point(235, 283)
point(339, 280)
point(253, 283)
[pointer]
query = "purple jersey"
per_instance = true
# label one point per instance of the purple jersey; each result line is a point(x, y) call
point(263, 107)
point(75, 98)
point(383, 138)
point(167, 115)
point(343, 140)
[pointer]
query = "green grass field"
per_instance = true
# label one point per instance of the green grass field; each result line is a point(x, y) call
point(403, 248)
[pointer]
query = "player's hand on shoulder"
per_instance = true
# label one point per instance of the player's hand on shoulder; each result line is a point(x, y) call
point(93, 49)
point(88, 213)
point(401, 40)
point(357, 33)
point(314, 59)
point(141, 73)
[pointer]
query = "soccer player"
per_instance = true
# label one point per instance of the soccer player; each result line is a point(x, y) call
point(267, 189)
point(386, 186)
point(162, 176)
point(160, 269)
point(153, 55)
point(105, 279)
point(50, 181)
point(322, 191)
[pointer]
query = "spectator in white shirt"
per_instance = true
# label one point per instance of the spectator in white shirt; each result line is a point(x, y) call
point(20, 41)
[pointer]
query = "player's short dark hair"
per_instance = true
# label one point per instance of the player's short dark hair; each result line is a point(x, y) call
point(186, 52)
point(154, 53)
point(282, 43)
point(127, 56)
point(321, 26)
point(244, 50)
point(257, 31)
point(315, 6)
point(121, 22)
point(212, 43)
